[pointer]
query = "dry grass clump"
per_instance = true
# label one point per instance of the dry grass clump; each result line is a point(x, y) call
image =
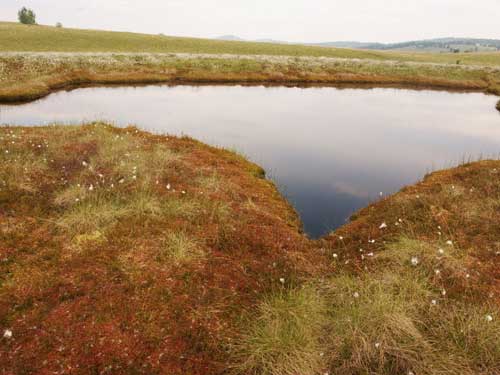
point(21, 167)
point(179, 248)
point(285, 335)
point(391, 323)
point(93, 214)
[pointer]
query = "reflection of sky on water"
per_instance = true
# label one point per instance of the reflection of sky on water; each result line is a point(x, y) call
point(330, 150)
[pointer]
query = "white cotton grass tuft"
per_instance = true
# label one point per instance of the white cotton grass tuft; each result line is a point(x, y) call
point(382, 226)
point(414, 261)
point(7, 334)
point(489, 318)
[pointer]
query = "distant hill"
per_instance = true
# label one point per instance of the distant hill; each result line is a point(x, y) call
point(428, 45)
point(236, 38)
point(230, 38)
point(431, 45)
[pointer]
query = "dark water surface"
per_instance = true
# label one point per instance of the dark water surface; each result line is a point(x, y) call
point(331, 151)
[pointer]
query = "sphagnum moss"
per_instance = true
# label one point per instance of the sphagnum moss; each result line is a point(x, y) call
point(172, 266)
point(121, 240)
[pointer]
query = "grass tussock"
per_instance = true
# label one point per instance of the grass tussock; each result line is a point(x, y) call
point(285, 336)
point(93, 214)
point(400, 323)
point(179, 248)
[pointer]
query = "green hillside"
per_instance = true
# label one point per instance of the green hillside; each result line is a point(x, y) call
point(22, 38)
point(17, 37)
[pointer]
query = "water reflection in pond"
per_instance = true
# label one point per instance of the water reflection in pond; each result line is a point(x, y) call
point(330, 150)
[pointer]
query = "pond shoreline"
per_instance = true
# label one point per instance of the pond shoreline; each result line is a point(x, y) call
point(30, 76)
point(27, 92)
point(347, 84)
point(203, 224)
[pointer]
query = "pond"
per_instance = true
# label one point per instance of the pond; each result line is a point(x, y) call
point(330, 151)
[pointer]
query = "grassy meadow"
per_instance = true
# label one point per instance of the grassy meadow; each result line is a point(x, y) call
point(126, 252)
point(38, 38)
point(36, 60)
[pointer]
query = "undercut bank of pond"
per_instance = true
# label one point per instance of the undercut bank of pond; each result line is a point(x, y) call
point(26, 76)
point(327, 157)
point(128, 252)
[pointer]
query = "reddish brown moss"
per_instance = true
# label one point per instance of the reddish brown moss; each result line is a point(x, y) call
point(105, 299)
point(101, 271)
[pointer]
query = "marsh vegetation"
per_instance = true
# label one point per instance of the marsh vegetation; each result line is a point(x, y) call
point(37, 60)
point(127, 252)
point(143, 253)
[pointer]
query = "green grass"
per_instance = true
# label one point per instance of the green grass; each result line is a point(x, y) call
point(17, 37)
point(421, 299)
point(71, 57)
point(285, 336)
point(396, 319)
point(180, 248)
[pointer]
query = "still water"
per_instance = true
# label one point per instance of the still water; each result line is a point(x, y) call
point(330, 151)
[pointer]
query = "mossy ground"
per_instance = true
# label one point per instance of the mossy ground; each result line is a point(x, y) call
point(413, 287)
point(125, 252)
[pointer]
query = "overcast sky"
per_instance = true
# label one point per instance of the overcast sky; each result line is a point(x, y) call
point(290, 20)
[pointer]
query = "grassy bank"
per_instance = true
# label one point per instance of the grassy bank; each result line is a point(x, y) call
point(125, 252)
point(36, 60)
point(27, 76)
point(413, 288)
point(37, 38)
